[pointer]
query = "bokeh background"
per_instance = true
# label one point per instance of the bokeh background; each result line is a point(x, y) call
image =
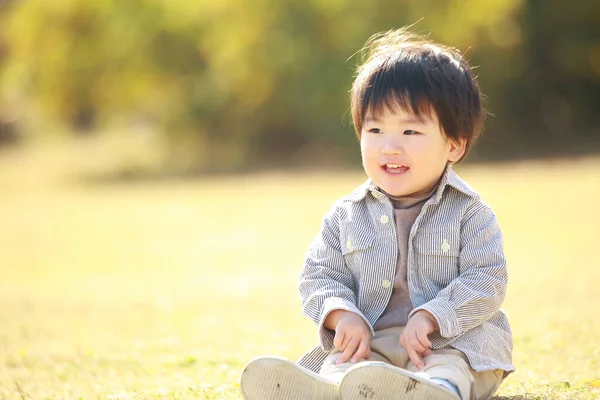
point(164, 164)
point(220, 86)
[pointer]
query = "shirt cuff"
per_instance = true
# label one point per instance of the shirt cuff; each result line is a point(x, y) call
point(445, 316)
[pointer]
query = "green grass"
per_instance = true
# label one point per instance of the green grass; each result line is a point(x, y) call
point(164, 290)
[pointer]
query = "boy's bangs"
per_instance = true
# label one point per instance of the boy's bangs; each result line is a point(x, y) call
point(400, 88)
point(409, 73)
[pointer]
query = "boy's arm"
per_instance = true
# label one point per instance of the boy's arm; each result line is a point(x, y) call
point(326, 284)
point(479, 290)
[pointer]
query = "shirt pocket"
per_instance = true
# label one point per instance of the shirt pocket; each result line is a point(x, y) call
point(357, 244)
point(436, 255)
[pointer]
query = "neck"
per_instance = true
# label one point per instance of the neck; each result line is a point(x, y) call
point(413, 198)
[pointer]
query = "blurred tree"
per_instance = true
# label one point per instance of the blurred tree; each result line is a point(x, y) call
point(8, 128)
point(233, 84)
point(75, 61)
point(560, 86)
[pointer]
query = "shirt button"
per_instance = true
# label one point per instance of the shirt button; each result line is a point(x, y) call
point(349, 244)
point(445, 246)
point(384, 219)
point(386, 283)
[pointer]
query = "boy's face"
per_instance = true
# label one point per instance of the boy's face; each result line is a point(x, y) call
point(404, 155)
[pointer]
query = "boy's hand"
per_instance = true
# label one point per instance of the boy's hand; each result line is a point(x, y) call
point(414, 337)
point(352, 336)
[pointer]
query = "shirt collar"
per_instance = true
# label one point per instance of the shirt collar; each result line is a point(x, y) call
point(449, 178)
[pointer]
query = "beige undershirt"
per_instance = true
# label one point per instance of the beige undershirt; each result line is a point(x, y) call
point(406, 211)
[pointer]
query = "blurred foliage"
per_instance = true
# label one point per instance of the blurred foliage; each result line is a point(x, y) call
point(232, 84)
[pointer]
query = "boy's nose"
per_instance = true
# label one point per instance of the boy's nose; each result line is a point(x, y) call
point(392, 146)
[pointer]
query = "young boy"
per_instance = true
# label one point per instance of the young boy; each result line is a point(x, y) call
point(407, 275)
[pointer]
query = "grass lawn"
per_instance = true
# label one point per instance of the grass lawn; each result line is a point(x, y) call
point(164, 290)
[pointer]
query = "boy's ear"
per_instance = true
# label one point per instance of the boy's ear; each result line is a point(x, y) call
point(457, 149)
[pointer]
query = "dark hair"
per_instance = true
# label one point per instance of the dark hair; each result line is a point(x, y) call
point(406, 71)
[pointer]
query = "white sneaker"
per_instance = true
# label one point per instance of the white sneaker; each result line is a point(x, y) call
point(381, 381)
point(275, 378)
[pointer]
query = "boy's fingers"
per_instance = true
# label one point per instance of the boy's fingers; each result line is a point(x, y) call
point(415, 358)
point(346, 341)
point(344, 338)
point(424, 340)
point(338, 340)
point(348, 352)
point(416, 344)
point(361, 352)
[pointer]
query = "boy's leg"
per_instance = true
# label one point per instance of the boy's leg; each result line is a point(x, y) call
point(390, 380)
point(487, 382)
point(275, 378)
point(451, 365)
point(446, 372)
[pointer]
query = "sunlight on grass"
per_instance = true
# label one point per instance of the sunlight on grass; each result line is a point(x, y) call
point(166, 289)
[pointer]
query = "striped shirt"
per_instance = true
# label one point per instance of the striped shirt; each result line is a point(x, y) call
point(456, 270)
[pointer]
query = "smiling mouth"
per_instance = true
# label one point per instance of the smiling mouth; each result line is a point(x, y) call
point(395, 168)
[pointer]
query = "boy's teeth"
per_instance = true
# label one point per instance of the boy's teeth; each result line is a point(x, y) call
point(393, 165)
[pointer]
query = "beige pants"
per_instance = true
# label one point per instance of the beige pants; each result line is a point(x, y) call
point(446, 363)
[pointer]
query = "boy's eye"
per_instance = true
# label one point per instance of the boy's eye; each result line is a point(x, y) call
point(375, 130)
point(411, 132)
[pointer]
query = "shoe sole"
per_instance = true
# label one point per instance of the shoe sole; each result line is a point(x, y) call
point(380, 381)
point(274, 378)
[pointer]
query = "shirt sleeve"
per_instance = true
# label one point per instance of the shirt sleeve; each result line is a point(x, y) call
point(326, 284)
point(479, 290)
